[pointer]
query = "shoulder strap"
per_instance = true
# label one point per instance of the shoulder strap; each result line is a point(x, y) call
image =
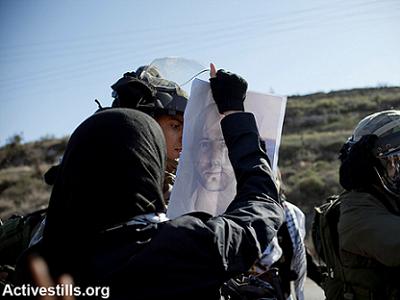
point(329, 218)
point(326, 218)
point(319, 218)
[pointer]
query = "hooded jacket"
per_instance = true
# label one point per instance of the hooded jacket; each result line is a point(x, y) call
point(109, 173)
point(112, 171)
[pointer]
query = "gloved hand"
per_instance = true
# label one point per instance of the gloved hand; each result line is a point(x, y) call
point(229, 91)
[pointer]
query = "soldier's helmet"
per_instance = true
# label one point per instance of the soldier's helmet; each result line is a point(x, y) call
point(386, 126)
point(147, 91)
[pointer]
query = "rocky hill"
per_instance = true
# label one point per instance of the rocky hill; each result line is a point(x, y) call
point(315, 128)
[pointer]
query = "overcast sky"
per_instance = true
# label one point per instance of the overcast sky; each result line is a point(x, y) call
point(56, 57)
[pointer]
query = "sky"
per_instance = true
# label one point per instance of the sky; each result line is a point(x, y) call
point(57, 57)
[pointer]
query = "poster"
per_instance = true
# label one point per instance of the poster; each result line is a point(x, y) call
point(205, 179)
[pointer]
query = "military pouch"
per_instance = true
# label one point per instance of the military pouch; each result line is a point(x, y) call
point(15, 235)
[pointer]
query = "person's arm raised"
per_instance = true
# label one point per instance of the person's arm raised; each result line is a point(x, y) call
point(229, 91)
point(255, 214)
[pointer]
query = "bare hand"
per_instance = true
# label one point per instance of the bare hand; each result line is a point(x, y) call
point(213, 70)
point(42, 278)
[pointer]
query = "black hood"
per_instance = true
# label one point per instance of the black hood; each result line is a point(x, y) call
point(112, 170)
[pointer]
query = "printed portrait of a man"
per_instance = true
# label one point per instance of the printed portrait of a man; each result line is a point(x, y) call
point(212, 164)
point(205, 179)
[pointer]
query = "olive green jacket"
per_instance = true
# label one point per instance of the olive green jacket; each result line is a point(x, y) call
point(367, 228)
point(369, 243)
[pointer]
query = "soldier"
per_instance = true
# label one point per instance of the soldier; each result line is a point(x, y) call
point(162, 99)
point(369, 222)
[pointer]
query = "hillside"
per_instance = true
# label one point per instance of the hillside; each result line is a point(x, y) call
point(315, 128)
point(22, 166)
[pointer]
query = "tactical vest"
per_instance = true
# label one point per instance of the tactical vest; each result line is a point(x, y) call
point(15, 235)
point(365, 279)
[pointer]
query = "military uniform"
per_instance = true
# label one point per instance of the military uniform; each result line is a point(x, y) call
point(369, 242)
point(369, 222)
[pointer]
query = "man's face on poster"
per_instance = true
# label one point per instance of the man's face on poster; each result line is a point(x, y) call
point(212, 161)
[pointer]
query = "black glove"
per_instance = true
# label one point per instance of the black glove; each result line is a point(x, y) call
point(229, 91)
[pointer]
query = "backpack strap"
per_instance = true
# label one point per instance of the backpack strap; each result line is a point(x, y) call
point(326, 240)
point(366, 281)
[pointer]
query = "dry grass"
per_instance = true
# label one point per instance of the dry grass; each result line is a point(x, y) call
point(315, 128)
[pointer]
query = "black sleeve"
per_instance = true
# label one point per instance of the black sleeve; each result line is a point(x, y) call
point(254, 216)
point(199, 251)
point(248, 157)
